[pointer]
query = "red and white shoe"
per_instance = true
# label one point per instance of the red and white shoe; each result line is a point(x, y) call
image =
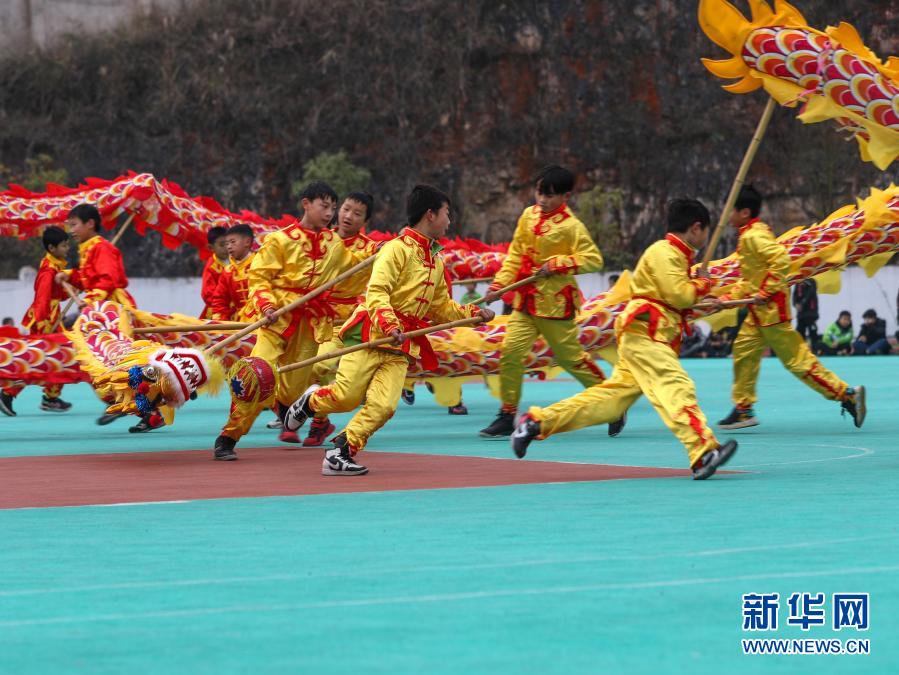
point(319, 431)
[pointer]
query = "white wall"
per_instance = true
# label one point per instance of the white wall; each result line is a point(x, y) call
point(165, 296)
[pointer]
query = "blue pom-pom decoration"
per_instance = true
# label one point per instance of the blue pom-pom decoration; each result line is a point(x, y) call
point(135, 377)
point(143, 404)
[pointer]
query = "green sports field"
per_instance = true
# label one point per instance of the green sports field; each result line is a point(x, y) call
point(622, 576)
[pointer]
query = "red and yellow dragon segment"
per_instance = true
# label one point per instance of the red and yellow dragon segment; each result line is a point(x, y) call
point(832, 73)
point(866, 233)
point(180, 218)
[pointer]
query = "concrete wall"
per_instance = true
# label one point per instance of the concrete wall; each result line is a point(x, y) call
point(182, 296)
point(29, 24)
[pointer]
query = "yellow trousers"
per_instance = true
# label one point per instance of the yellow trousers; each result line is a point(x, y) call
point(447, 390)
point(323, 371)
point(647, 367)
point(374, 374)
point(278, 351)
point(792, 351)
point(561, 335)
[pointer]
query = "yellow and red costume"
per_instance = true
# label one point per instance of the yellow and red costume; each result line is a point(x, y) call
point(230, 300)
point(345, 297)
point(289, 264)
point(408, 289)
point(101, 273)
point(547, 306)
point(648, 332)
point(764, 268)
point(43, 314)
point(211, 273)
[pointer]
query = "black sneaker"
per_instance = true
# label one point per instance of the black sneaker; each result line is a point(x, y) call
point(503, 425)
point(457, 410)
point(708, 464)
point(339, 461)
point(854, 404)
point(224, 449)
point(54, 404)
point(147, 423)
point(408, 396)
point(299, 412)
point(739, 418)
point(6, 404)
point(108, 418)
point(617, 426)
point(527, 430)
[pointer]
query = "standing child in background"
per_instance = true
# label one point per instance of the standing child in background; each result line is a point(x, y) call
point(648, 333)
point(353, 217)
point(551, 241)
point(408, 290)
point(230, 299)
point(42, 316)
point(805, 300)
point(764, 270)
point(470, 295)
point(214, 267)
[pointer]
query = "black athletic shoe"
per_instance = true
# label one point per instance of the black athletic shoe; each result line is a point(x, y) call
point(54, 404)
point(6, 404)
point(617, 426)
point(739, 418)
point(527, 430)
point(708, 464)
point(408, 396)
point(339, 460)
point(503, 425)
point(457, 410)
point(108, 418)
point(299, 411)
point(854, 404)
point(224, 449)
point(147, 423)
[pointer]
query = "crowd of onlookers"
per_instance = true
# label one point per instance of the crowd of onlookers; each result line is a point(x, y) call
point(838, 339)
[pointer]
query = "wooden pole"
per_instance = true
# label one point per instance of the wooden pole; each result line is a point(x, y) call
point(290, 307)
point(73, 300)
point(125, 226)
point(511, 287)
point(738, 182)
point(726, 304)
point(379, 342)
point(191, 328)
point(476, 280)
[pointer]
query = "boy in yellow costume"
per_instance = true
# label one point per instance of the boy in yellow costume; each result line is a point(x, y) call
point(764, 269)
point(551, 241)
point(649, 332)
point(230, 301)
point(352, 217)
point(408, 290)
point(290, 263)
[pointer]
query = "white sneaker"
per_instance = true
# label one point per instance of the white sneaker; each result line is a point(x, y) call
point(339, 462)
point(299, 412)
point(274, 424)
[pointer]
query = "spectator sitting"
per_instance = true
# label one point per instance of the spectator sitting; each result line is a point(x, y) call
point(717, 345)
point(872, 339)
point(692, 344)
point(837, 339)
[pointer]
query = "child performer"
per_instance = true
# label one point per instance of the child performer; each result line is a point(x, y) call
point(289, 264)
point(407, 290)
point(648, 332)
point(230, 300)
point(214, 267)
point(42, 316)
point(549, 239)
point(764, 268)
point(353, 217)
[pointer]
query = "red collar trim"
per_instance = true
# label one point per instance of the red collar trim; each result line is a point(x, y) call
point(418, 238)
point(749, 224)
point(681, 246)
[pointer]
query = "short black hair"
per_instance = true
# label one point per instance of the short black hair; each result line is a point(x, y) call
point(422, 199)
point(53, 236)
point(242, 229)
point(749, 198)
point(318, 189)
point(554, 180)
point(845, 312)
point(682, 213)
point(869, 314)
point(215, 233)
point(9, 321)
point(365, 199)
point(86, 213)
